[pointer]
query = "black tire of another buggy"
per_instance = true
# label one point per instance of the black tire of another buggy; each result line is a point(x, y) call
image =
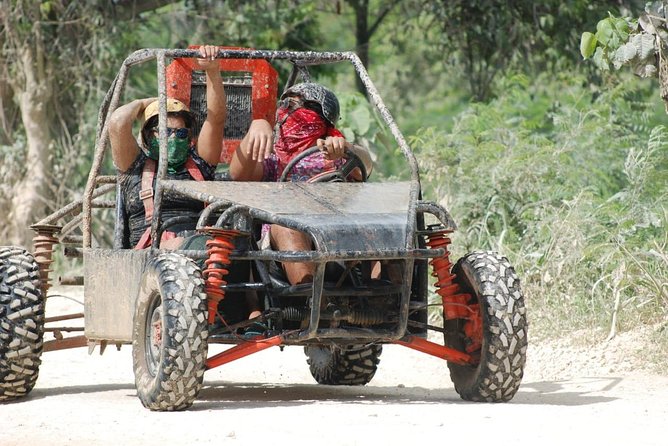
point(490, 279)
point(352, 161)
point(353, 365)
point(21, 323)
point(169, 376)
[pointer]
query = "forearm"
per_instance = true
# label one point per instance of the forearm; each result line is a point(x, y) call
point(256, 146)
point(210, 142)
point(243, 167)
point(124, 147)
point(216, 99)
point(123, 117)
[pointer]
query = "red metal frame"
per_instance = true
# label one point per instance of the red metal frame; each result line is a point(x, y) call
point(264, 87)
point(455, 301)
point(438, 350)
point(422, 345)
point(218, 249)
point(242, 350)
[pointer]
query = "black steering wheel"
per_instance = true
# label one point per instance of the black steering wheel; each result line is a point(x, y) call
point(336, 175)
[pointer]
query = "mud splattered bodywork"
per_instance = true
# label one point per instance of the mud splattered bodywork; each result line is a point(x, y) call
point(372, 252)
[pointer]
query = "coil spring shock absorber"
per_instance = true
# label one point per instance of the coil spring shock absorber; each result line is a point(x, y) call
point(218, 259)
point(44, 241)
point(455, 302)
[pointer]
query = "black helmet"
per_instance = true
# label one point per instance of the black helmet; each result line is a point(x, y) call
point(310, 91)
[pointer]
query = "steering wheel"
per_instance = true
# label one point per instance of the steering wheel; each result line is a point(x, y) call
point(337, 175)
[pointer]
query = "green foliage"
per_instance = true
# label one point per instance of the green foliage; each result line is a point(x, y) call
point(12, 166)
point(571, 186)
point(360, 123)
point(588, 44)
point(486, 38)
point(55, 47)
point(357, 120)
point(623, 41)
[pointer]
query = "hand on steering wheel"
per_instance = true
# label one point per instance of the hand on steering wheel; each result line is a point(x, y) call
point(334, 147)
point(340, 174)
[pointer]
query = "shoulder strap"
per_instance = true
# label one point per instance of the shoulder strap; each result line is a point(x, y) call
point(193, 169)
point(146, 195)
point(145, 240)
point(147, 177)
point(146, 191)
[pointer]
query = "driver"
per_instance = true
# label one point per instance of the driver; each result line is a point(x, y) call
point(306, 117)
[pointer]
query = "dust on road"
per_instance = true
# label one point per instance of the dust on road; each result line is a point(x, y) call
point(270, 397)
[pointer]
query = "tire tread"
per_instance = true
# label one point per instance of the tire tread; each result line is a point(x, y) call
point(181, 369)
point(21, 323)
point(349, 366)
point(503, 355)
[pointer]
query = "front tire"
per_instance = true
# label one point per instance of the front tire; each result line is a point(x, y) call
point(353, 365)
point(169, 347)
point(21, 323)
point(492, 282)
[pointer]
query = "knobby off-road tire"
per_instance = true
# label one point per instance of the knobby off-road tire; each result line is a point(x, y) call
point(169, 346)
point(354, 365)
point(490, 279)
point(21, 322)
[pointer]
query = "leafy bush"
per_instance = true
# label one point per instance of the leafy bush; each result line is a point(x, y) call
point(569, 182)
point(639, 43)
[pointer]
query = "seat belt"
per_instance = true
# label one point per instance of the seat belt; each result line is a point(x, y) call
point(146, 196)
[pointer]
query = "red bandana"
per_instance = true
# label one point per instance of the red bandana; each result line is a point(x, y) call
point(299, 130)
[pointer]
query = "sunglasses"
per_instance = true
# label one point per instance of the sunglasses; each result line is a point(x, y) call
point(181, 132)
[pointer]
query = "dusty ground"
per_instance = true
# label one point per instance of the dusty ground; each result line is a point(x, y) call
point(573, 393)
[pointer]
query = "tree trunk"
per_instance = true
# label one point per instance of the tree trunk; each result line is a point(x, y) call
point(30, 200)
point(364, 31)
point(362, 36)
point(8, 113)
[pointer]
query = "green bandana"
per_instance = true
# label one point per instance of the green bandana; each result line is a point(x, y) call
point(177, 152)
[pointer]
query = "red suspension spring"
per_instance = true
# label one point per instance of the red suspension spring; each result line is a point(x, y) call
point(218, 253)
point(455, 301)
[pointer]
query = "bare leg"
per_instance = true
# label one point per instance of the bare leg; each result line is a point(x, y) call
point(375, 269)
point(172, 243)
point(285, 239)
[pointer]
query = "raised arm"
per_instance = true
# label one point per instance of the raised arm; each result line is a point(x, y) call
point(210, 141)
point(124, 147)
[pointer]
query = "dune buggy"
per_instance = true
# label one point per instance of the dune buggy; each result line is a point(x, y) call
point(170, 305)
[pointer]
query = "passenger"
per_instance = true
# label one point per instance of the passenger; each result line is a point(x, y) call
point(306, 117)
point(187, 158)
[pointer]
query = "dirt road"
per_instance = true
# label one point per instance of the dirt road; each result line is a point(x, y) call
point(270, 398)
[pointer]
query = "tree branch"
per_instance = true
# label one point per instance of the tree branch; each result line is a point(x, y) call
point(381, 16)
